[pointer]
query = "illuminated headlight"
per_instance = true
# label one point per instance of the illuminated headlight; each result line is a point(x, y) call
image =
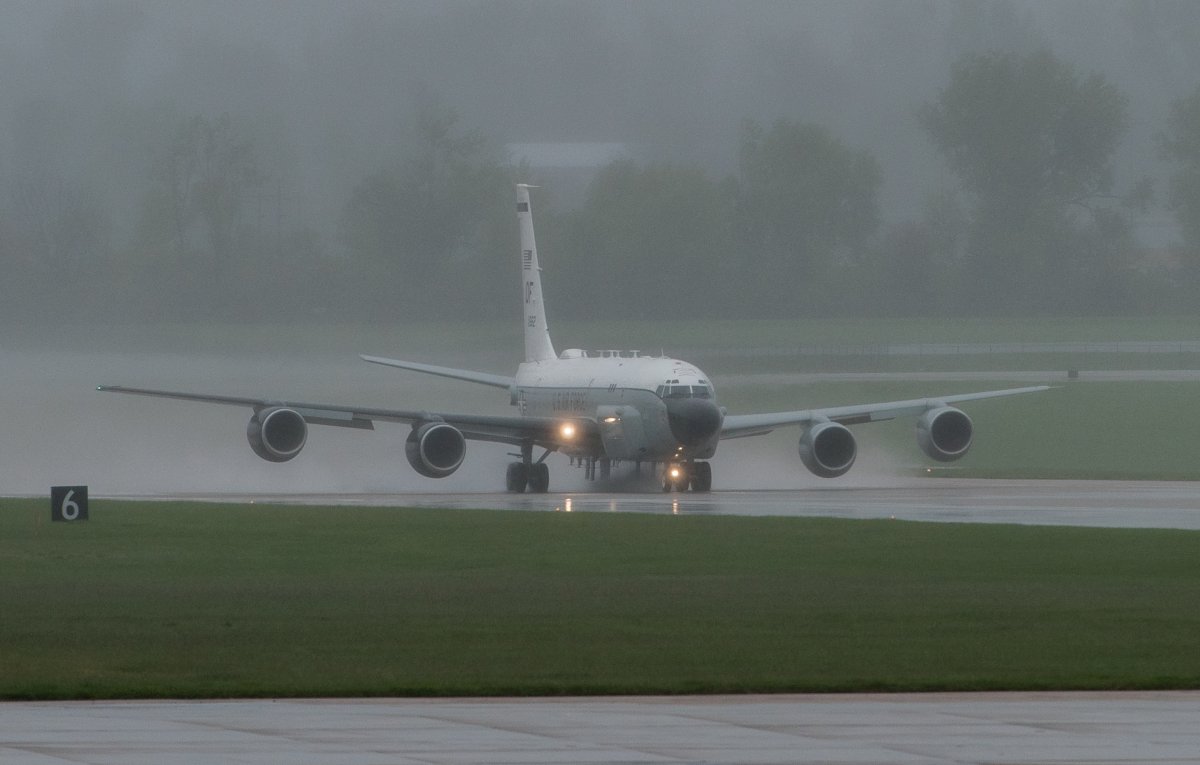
point(676, 472)
point(610, 420)
point(568, 430)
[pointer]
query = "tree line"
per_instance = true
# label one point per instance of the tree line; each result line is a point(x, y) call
point(1029, 221)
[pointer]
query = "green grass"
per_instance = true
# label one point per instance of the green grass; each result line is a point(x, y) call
point(185, 600)
point(1090, 430)
point(1081, 430)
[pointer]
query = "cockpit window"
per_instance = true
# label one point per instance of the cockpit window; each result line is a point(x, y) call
point(684, 391)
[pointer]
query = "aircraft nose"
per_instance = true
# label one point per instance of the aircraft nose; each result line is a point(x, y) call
point(693, 421)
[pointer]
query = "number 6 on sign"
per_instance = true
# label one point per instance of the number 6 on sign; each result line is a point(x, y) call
point(68, 503)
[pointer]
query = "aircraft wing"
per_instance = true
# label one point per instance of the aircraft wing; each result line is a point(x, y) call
point(501, 429)
point(743, 425)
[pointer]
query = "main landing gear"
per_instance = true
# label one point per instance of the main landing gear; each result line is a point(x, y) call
point(521, 477)
point(534, 477)
point(527, 474)
point(681, 476)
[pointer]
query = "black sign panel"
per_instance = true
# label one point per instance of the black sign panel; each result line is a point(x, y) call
point(68, 503)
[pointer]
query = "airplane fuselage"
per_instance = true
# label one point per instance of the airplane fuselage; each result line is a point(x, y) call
point(643, 408)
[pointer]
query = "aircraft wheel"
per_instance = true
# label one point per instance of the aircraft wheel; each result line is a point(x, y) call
point(517, 477)
point(539, 478)
point(702, 477)
point(675, 478)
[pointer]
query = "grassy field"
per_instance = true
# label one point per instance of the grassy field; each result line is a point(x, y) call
point(181, 600)
point(1086, 430)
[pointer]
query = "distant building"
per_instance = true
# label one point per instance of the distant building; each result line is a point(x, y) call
point(567, 168)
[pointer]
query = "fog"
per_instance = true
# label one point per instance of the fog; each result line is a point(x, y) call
point(275, 160)
point(68, 433)
point(314, 163)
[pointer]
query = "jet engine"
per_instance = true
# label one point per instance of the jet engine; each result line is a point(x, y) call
point(944, 433)
point(277, 434)
point(435, 449)
point(827, 449)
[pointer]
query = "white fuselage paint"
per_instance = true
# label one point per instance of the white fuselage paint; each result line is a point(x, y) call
point(618, 393)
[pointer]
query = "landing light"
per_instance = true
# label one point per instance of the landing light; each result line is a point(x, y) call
point(568, 430)
point(676, 472)
point(610, 420)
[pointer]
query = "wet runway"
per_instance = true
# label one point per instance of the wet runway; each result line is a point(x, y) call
point(914, 730)
point(1114, 504)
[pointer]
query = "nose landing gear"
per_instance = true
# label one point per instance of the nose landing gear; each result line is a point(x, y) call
point(681, 476)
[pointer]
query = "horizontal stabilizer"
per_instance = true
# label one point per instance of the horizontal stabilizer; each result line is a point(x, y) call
point(483, 378)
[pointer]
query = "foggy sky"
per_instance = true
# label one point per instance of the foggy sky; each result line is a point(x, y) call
point(329, 86)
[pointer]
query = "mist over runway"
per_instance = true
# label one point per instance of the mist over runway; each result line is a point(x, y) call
point(132, 447)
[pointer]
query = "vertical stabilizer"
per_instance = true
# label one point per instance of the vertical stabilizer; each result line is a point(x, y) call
point(537, 334)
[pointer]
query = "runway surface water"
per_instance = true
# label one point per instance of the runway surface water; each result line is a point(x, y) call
point(1111, 504)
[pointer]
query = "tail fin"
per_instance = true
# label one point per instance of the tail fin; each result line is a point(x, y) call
point(537, 334)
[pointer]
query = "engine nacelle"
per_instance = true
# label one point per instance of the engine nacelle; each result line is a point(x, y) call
point(944, 434)
point(828, 449)
point(435, 449)
point(277, 434)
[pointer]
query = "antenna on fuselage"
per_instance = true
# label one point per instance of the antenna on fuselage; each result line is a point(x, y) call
point(537, 333)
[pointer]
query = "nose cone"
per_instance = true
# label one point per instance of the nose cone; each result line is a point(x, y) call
point(694, 421)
